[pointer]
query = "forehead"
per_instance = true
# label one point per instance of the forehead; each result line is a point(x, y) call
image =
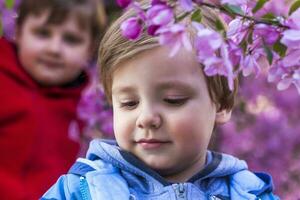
point(69, 23)
point(79, 14)
point(155, 66)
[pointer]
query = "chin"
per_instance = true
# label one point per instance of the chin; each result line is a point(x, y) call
point(49, 81)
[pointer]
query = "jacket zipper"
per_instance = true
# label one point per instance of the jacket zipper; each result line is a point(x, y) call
point(84, 188)
point(179, 190)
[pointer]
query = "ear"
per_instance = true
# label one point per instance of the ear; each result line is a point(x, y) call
point(223, 116)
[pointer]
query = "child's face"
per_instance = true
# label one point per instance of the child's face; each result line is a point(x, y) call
point(53, 54)
point(163, 113)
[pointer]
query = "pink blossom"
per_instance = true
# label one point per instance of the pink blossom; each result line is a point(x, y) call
point(288, 79)
point(152, 29)
point(292, 58)
point(131, 28)
point(220, 66)
point(293, 21)
point(269, 34)
point(250, 65)
point(277, 7)
point(235, 2)
point(140, 13)
point(8, 22)
point(124, 3)
point(214, 66)
point(237, 30)
point(227, 65)
point(291, 38)
point(155, 2)
point(235, 53)
point(207, 41)
point(93, 109)
point(285, 75)
point(187, 5)
point(174, 35)
point(160, 14)
point(275, 72)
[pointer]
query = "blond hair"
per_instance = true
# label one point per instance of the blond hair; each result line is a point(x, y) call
point(115, 49)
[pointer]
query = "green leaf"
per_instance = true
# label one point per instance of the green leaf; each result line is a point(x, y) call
point(9, 4)
point(269, 54)
point(244, 45)
point(270, 18)
point(259, 5)
point(219, 25)
point(280, 48)
point(294, 7)
point(197, 16)
point(233, 9)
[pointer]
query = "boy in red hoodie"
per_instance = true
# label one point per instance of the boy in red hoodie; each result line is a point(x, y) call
point(41, 79)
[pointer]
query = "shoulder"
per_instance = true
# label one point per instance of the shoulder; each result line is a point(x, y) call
point(251, 184)
point(66, 187)
point(242, 182)
point(87, 179)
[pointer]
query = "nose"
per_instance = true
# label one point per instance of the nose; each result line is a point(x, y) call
point(55, 45)
point(149, 118)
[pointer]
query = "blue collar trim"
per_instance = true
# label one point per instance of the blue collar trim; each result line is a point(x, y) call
point(216, 159)
point(80, 169)
point(268, 188)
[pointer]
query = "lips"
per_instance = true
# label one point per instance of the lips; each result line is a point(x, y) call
point(50, 63)
point(152, 143)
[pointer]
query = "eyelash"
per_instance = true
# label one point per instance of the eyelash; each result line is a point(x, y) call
point(73, 40)
point(129, 104)
point(42, 32)
point(170, 101)
point(176, 101)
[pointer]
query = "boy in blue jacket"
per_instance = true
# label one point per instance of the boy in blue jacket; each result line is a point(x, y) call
point(165, 110)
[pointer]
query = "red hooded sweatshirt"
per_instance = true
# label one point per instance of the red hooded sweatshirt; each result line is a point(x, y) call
point(34, 145)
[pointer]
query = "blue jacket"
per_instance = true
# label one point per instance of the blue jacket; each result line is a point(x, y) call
point(109, 173)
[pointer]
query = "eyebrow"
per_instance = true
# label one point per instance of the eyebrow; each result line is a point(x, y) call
point(175, 84)
point(125, 89)
point(165, 85)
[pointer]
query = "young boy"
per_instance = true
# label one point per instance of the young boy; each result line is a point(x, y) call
point(165, 110)
point(41, 79)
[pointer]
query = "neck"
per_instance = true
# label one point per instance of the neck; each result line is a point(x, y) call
point(186, 172)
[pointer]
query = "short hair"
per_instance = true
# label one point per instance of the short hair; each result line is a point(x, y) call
point(89, 14)
point(115, 49)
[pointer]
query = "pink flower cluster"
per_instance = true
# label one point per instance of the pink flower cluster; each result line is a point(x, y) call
point(8, 17)
point(252, 35)
point(264, 131)
point(94, 110)
point(94, 114)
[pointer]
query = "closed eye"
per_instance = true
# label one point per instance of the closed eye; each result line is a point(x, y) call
point(129, 104)
point(42, 32)
point(72, 39)
point(176, 101)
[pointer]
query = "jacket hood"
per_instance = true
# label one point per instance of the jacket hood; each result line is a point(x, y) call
point(217, 165)
point(222, 174)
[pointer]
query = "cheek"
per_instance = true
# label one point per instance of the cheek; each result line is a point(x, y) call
point(78, 56)
point(123, 128)
point(191, 129)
